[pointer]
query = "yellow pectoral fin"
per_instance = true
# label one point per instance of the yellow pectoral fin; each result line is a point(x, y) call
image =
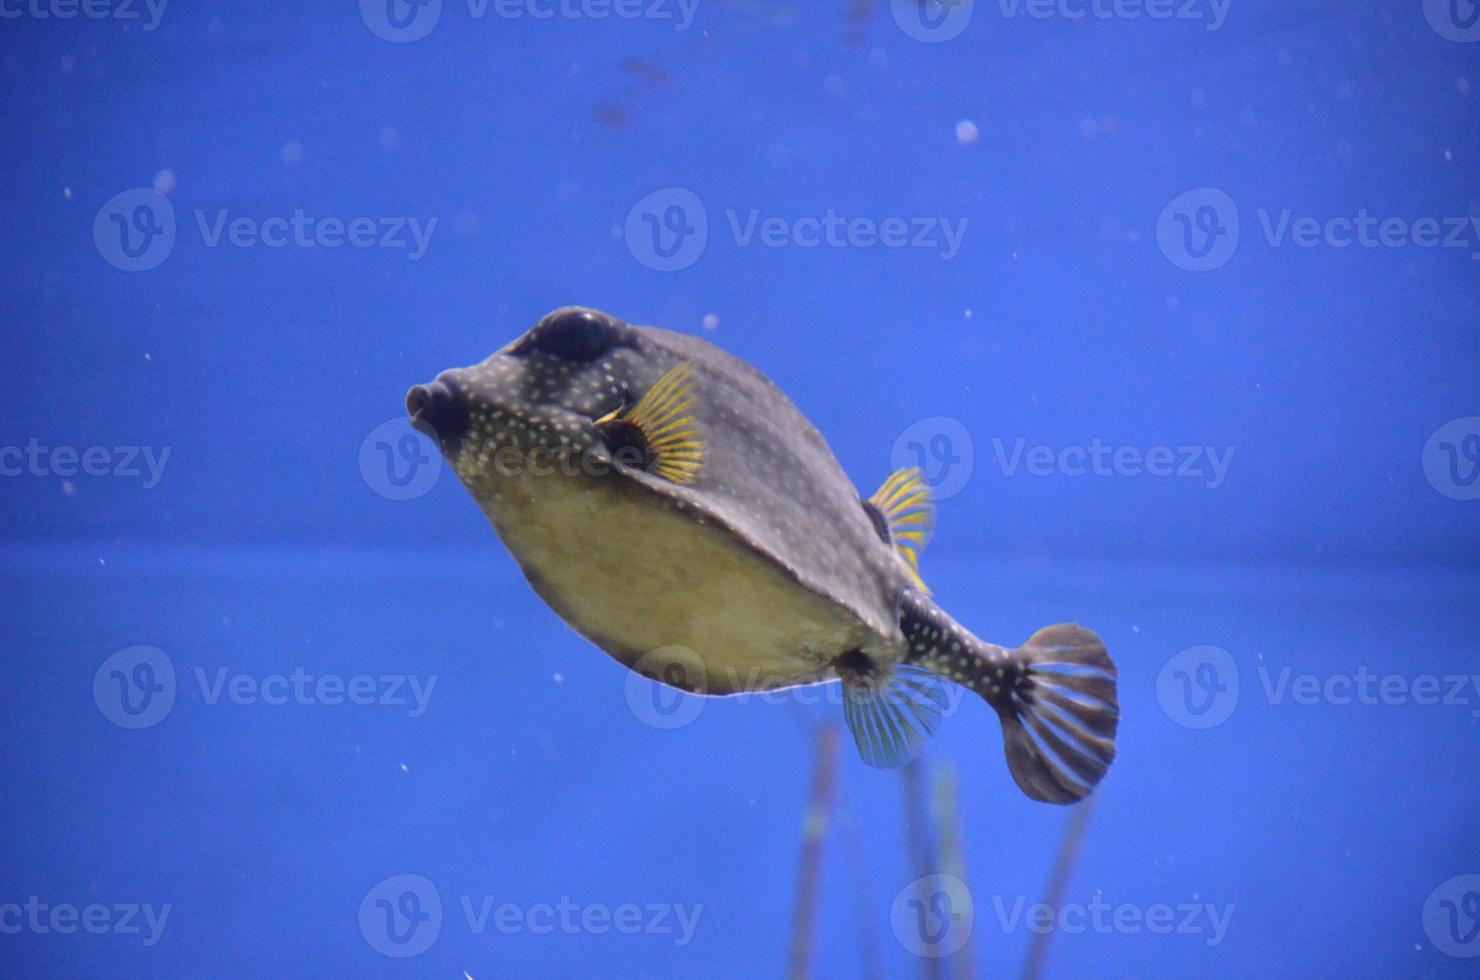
point(904, 501)
point(663, 418)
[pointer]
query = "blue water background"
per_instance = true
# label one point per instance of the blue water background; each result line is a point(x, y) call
point(1332, 544)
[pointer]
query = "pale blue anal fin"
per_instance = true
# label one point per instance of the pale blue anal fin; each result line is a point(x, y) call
point(892, 716)
point(903, 501)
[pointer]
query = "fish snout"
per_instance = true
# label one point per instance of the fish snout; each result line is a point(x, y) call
point(439, 410)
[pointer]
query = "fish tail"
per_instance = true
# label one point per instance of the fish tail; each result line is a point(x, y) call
point(1055, 695)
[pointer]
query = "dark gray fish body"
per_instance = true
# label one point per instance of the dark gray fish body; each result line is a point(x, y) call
point(676, 509)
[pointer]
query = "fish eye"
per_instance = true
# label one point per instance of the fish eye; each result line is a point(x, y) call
point(573, 335)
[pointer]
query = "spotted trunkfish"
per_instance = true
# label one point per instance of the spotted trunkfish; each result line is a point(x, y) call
point(677, 510)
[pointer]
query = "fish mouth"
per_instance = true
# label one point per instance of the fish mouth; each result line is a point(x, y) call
point(439, 411)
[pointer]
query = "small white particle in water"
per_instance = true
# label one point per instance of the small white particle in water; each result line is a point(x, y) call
point(164, 181)
point(404, 768)
point(148, 358)
point(292, 152)
point(67, 193)
point(69, 488)
point(559, 678)
point(710, 321)
point(1448, 156)
point(969, 314)
point(966, 132)
point(1136, 630)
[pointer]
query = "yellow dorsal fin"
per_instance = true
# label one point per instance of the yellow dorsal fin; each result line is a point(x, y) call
point(904, 502)
point(669, 435)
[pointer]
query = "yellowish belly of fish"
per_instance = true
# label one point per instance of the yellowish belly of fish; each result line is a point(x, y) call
point(636, 578)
